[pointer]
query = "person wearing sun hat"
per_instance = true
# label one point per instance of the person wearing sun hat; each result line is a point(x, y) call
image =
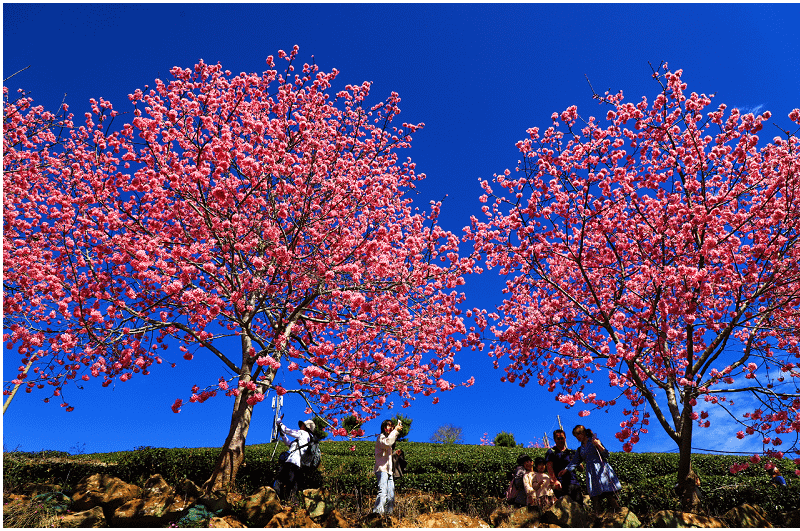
point(291, 474)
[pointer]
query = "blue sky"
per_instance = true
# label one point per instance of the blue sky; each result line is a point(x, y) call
point(477, 75)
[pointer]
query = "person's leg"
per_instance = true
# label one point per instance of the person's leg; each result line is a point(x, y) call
point(281, 483)
point(575, 492)
point(380, 503)
point(390, 494)
point(612, 499)
point(291, 482)
point(597, 505)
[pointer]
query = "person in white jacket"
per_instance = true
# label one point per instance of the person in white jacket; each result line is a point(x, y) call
point(383, 466)
point(290, 474)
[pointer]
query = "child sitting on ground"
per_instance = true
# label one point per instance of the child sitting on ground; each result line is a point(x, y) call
point(539, 486)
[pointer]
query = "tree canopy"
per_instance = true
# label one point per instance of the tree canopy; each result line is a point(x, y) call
point(259, 207)
point(658, 248)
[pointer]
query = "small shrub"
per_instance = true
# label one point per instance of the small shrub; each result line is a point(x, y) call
point(505, 439)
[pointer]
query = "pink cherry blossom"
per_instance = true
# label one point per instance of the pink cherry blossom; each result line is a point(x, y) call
point(657, 245)
point(265, 205)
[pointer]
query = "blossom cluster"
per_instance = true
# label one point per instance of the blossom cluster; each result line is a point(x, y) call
point(262, 205)
point(654, 245)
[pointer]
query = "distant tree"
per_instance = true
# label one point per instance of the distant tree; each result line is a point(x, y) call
point(403, 435)
point(261, 207)
point(319, 427)
point(352, 424)
point(662, 248)
point(506, 439)
point(448, 434)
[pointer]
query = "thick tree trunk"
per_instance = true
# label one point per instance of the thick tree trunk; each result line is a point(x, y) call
point(232, 454)
point(687, 479)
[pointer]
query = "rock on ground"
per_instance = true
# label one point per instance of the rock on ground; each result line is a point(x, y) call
point(677, 519)
point(226, 522)
point(746, 516)
point(93, 517)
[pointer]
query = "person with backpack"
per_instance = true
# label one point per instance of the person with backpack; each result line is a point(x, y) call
point(300, 443)
point(383, 466)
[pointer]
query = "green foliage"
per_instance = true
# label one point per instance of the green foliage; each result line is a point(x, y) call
point(464, 473)
point(174, 464)
point(448, 434)
point(505, 439)
point(351, 423)
point(20, 470)
point(319, 428)
point(406, 426)
point(42, 454)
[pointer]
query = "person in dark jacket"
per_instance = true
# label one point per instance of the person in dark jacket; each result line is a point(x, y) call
point(556, 459)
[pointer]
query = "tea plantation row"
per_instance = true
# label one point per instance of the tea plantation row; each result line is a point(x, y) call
point(465, 471)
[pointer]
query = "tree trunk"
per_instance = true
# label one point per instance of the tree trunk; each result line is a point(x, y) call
point(232, 454)
point(687, 479)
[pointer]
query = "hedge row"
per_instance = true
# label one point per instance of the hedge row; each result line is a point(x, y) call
point(459, 470)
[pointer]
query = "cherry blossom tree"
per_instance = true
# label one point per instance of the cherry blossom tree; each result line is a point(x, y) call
point(448, 434)
point(659, 249)
point(260, 207)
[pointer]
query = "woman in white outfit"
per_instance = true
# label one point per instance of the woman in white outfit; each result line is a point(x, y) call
point(290, 474)
point(383, 466)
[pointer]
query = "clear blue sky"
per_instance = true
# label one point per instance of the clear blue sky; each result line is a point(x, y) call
point(477, 75)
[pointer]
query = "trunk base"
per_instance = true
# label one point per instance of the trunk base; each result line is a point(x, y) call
point(225, 470)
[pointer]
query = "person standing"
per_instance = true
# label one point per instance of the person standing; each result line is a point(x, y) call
point(290, 475)
point(383, 466)
point(601, 480)
point(556, 459)
point(538, 485)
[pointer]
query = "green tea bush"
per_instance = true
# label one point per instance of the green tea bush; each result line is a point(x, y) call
point(466, 474)
point(19, 472)
point(174, 464)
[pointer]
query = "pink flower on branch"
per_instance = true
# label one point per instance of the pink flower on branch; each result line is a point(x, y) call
point(649, 247)
point(294, 231)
